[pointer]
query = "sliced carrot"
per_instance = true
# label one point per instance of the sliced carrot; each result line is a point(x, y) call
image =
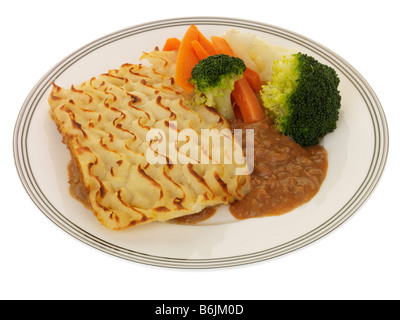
point(253, 78)
point(172, 44)
point(236, 110)
point(221, 46)
point(199, 49)
point(187, 59)
point(207, 44)
point(247, 101)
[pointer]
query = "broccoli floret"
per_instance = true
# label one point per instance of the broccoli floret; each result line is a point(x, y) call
point(214, 78)
point(303, 98)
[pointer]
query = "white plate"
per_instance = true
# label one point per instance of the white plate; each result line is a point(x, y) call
point(357, 156)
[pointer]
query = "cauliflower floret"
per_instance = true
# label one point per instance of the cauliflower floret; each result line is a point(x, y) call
point(257, 54)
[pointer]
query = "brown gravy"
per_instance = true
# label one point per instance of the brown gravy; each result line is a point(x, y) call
point(76, 187)
point(285, 174)
point(195, 218)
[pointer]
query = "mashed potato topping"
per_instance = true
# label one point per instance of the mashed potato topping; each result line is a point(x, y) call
point(105, 122)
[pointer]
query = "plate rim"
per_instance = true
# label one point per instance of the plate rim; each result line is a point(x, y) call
point(376, 169)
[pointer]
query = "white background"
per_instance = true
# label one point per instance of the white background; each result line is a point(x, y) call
point(359, 260)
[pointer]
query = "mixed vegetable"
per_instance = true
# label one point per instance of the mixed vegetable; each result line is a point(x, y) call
point(301, 95)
